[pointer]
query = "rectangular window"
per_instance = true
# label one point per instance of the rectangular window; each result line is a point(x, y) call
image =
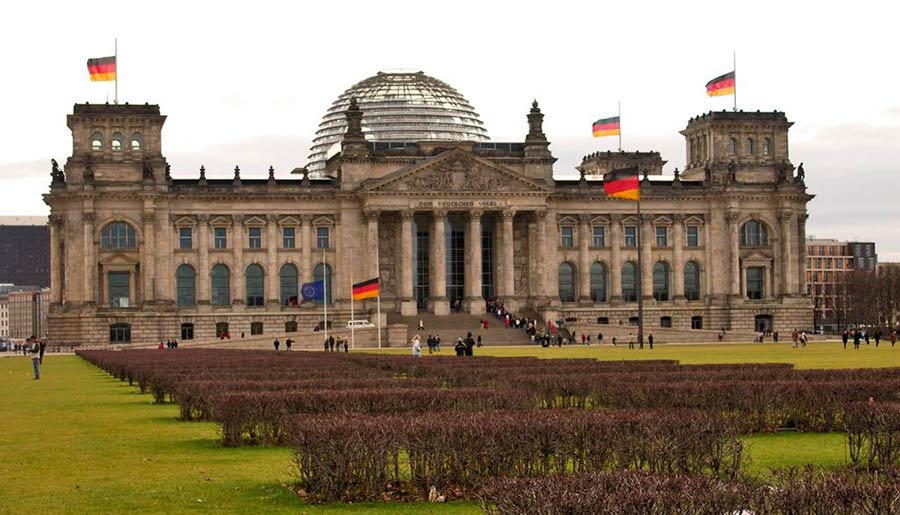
point(599, 237)
point(696, 322)
point(185, 240)
point(322, 237)
point(221, 241)
point(662, 236)
point(818, 262)
point(838, 263)
point(290, 327)
point(118, 283)
point(630, 236)
point(187, 331)
point(287, 240)
point(255, 237)
point(566, 238)
point(256, 327)
point(665, 321)
point(693, 236)
point(120, 333)
point(755, 282)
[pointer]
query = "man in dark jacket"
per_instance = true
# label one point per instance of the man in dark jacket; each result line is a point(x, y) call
point(460, 347)
point(470, 344)
point(276, 344)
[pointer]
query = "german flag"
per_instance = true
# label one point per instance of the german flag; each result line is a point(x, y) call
point(102, 68)
point(623, 183)
point(721, 85)
point(366, 289)
point(606, 127)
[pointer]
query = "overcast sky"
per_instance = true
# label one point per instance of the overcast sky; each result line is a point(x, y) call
point(248, 84)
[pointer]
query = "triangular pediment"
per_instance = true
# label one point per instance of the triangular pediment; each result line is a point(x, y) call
point(693, 220)
point(119, 259)
point(255, 220)
point(456, 171)
point(219, 221)
point(289, 221)
point(185, 221)
point(756, 257)
point(662, 220)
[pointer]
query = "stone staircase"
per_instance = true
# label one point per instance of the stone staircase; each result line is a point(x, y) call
point(456, 325)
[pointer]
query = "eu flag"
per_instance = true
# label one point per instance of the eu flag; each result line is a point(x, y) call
point(314, 291)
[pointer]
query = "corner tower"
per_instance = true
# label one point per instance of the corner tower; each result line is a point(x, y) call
point(751, 145)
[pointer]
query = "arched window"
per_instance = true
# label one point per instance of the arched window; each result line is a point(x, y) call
point(116, 142)
point(661, 281)
point(732, 146)
point(323, 273)
point(767, 147)
point(221, 286)
point(136, 142)
point(566, 282)
point(118, 235)
point(754, 234)
point(288, 279)
point(692, 280)
point(629, 282)
point(751, 146)
point(185, 279)
point(598, 282)
point(255, 292)
point(96, 141)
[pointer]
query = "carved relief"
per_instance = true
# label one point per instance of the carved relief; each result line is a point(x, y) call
point(387, 248)
point(459, 173)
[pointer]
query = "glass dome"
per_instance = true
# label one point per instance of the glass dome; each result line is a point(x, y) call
point(398, 106)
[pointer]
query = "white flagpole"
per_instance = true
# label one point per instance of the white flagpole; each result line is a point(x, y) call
point(325, 291)
point(352, 317)
point(378, 275)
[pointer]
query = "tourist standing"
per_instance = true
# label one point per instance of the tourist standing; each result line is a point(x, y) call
point(36, 358)
point(893, 337)
point(416, 347)
point(331, 343)
point(599, 338)
point(276, 344)
point(288, 343)
point(856, 339)
point(630, 341)
point(470, 344)
point(844, 337)
point(478, 342)
point(460, 347)
point(650, 341)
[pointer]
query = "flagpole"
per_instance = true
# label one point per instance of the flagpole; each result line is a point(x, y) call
point(734, 67)
point(116, 55)
point(640, 294)
point(325, 291)
point(352, 317)
point(620, 125)
point(378, 275)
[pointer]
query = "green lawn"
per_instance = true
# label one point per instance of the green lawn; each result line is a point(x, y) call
point(80, 441)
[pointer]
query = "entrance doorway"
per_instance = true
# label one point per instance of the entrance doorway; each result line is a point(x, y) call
point(763, 323)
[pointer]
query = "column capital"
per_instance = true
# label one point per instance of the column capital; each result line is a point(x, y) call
point(508, 214)
point(203, 218)
point(540, 215)
point(615, 218)
point(56, 219)
point(89, 217)
point(371, 214)
point(407, 215)
point(439, 213)
point(272, 218)
point(305, 218)
point(679, 218)
point(785, 217)
point(238, 219)
point(148, 217)
point(475, 214)
point(585, 219)
point(732, 216)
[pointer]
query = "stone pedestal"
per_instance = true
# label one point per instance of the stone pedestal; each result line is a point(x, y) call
point(408, 308)
point(440, 305)
point(474, 305)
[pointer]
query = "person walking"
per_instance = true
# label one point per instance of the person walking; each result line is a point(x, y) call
point(599, 338)
point(877, 339)
point(326, 344)
point(160, 346)
point(288, 343)
point(478, 342)
point(276, 344)
point(43, 345)
point(844, 337)
point(893, 338)
point(421, 326)
point(775, 336)
point(437, 342)
point(470, 344)
point(416, 347)
point(856, 339)
point(36, 358)
point(630, 341)
point(331, 343)
point(866, 334)
point(650, 341)
point(794, 336)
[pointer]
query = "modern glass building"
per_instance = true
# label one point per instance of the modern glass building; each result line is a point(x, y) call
point(398, 106)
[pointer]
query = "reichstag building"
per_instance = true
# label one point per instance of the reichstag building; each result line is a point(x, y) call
point(404, 183)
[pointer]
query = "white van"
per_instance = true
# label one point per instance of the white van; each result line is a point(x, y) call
point(357, 324)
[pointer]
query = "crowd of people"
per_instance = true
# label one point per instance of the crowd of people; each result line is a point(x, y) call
point(860, 335)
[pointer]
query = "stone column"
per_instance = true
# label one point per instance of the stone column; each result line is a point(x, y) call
point(164, 249)
point(743, 275)
point(372, 244)
point(407, 301)
point(647, 240)
point(306, 249)
point(508, 275)
point(148, 252)
point(801, 256)
point(787, 269)
point(239, 281)
point(273, 293)
point(540, 252)
point(615, 265)
point(56, 261)
point(678, 258)
point(440, 305)
point(474, 299)
point(767, 281)
point(89, 293)
point(734, 252)
point(203, 290)
point(584, 263)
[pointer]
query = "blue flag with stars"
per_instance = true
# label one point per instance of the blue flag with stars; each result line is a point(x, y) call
point(314, 291)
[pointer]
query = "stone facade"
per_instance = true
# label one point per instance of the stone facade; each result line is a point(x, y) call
point(139, 256)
